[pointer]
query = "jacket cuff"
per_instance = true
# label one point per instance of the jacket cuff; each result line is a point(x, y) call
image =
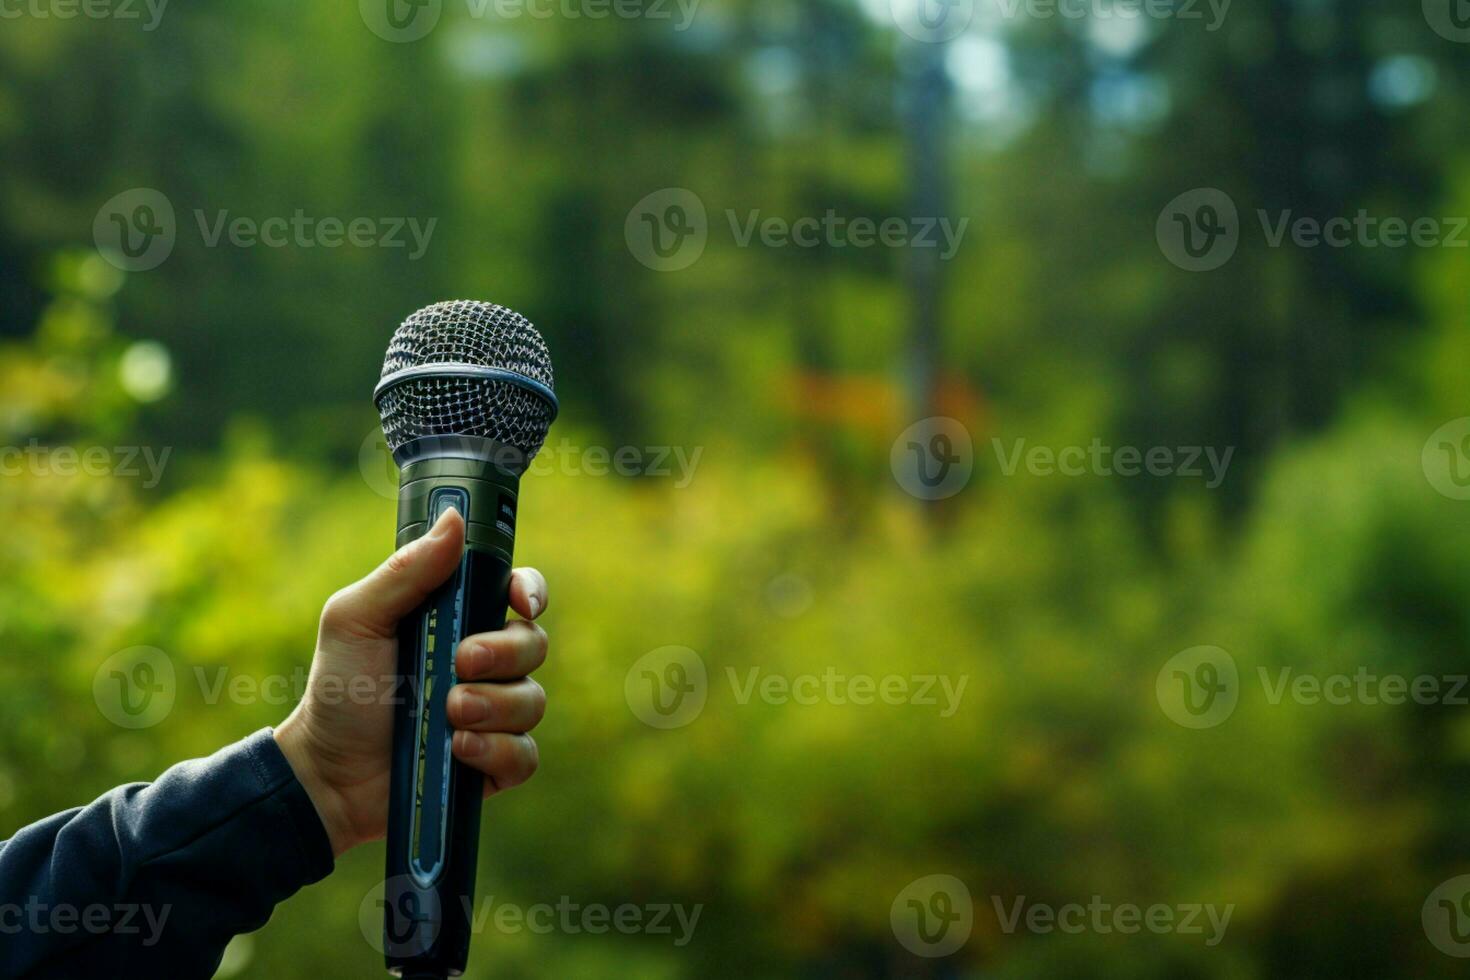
point(291, 810)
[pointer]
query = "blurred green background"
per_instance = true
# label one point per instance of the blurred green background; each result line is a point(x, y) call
point(1334, 543)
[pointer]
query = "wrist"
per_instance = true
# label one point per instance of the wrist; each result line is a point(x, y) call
point(294, 742)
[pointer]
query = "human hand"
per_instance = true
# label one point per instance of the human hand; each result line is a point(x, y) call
point(338, 738)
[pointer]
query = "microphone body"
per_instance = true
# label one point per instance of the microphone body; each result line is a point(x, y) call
point(466, 400)
point(434, 806)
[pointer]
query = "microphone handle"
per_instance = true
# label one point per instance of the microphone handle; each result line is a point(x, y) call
point(434, 799)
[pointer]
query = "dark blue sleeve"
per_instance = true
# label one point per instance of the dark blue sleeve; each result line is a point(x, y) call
point(153, 879)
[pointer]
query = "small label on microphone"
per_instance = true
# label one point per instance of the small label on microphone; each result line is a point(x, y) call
point(505, 515)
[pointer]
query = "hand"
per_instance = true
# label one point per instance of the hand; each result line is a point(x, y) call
point(337, 739)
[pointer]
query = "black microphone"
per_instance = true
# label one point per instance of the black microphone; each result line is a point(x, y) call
point(466, 400)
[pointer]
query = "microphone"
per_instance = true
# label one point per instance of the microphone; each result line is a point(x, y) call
point(466, 399)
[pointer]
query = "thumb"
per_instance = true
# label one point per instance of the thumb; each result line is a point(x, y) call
point(373, 606)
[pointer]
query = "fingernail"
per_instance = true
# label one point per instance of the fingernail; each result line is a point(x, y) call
point(473, 708)
point(534, 601)
point(470, 743)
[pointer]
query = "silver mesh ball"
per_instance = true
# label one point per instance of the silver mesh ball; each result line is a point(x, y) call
point(468, 332)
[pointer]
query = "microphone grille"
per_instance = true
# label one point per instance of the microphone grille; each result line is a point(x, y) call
point(468, 334)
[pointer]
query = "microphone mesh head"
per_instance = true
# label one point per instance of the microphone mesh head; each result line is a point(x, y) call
point(468, 332)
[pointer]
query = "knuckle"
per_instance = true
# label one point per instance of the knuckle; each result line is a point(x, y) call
point(498, 659)
point(467, 660)
point(337, 609)
point(400, 561)
point(455, 703)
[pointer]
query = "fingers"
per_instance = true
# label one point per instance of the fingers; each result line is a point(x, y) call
point(514, 708)
point(528, 596)
point(373, 606)
point(504, 655)
point(506, 760)
point(491, 719)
